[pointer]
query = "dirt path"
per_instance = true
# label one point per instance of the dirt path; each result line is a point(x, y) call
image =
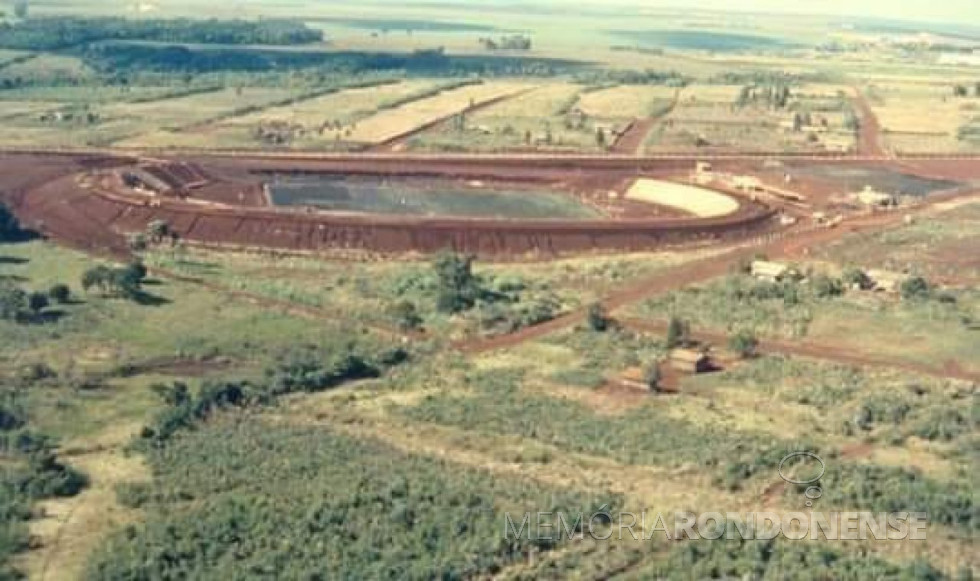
point(813, 350)
point(631, 141)
point(869, 133)
point(72, 528)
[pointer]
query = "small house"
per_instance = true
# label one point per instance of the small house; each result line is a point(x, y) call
point(691, 361)
point(769, 271)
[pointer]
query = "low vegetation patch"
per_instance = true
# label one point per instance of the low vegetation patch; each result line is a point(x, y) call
point(270, 500)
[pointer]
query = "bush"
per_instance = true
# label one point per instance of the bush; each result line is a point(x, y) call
point(596, 318)
point(13, 301)
point(124, 282)
point(857, 278)
point(37, 302)
point(678, 333)
point(745, 343)
point(458, 288)
point(60, 293)
point(826, 287)
point(407, 316)
point(10, 229)
point(652, 376)
point(915, 289)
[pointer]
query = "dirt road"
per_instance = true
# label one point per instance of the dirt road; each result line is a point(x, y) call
point(869, 133)
point(631, 141)
point(787, 246)
point(813, 350)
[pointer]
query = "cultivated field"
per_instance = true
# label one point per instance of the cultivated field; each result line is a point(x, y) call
point(713, 118)
point(538, 119)
point(390, 124)
point(325, 122)
point(624, 101)
point(901, 107)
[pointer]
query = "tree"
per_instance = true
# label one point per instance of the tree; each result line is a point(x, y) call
point(825, 286)
point(12, 301)
point(600, 137)
point(9, 227)
point(744, 343)
point(407, 316)
point(135, 271)
point(744, 96)
point(37, 302)
point(596, 318)
point(123, 282)
point(960, 91)
point(138, 242)
point(21, 8)
point(652, 376)
point(678, 333)
point(797, 122)
point(458, 288)
point(60, 293)
point(157, 230)
point(915, 288)
point(857, 278)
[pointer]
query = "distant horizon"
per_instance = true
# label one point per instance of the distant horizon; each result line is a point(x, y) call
point(959, 13)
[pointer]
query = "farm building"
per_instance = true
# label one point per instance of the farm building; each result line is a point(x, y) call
point(872, 197)
point(886, 281)
point(769, 271)
point(703, 173)
point(689, 361)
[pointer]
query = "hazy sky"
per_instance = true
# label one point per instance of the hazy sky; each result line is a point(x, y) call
point(964, 12)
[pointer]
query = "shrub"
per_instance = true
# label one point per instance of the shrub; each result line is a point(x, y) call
point(12, 301)
point(458, 288)
point(652, 376)
point(37, 302)
point(407, 316)
point(745, 343)
point(122, 282)
point(825, 286)
point(678, 333)
point(857, 278)
point(10, 229)
point(915, 288)
point(60, 293)
point(596, 318)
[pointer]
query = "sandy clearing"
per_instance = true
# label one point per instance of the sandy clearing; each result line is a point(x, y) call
point(700, 202)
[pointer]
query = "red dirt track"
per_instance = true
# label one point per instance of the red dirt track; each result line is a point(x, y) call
point(43, 190)
point(93, 217)
point(869, 133)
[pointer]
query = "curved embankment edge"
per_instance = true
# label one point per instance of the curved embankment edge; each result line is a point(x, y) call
point(260, 227)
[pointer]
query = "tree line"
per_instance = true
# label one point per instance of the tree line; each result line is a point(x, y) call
point(52, 33)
